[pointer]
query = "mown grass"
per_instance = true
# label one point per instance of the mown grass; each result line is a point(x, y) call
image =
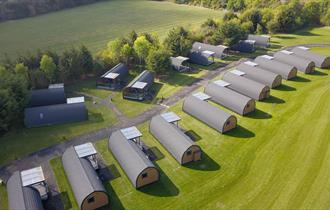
point(94, 25)
point(3, 197)
point(277, 158)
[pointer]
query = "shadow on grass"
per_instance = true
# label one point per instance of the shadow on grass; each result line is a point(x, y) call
point(205, 164)
point(319, 73)
point(300, 79)
point(154, 154)
point(114, 201)
point(164, 187)
point(95, 117)
point(240, 132)
point(258, 114)
point(108, 173)
point(193, 135)
point(55, 202)
point(284, 87)
point(66, 200)
point(273, 100)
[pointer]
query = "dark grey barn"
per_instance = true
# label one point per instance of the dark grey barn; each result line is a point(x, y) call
point(134, 162)
point(220, 51)
point(45, 97)
point(22, 198)
point(270, 64)
point(228, 98)
point(85, 183)
point(139, 88)
point(245, 46)
point(254, 72)
point(320, 61)
point(181, 147)
point(55, 114)
point(200, 58)
point(246, 86)
point(209, 114)
point(302, 64)
point(114, 78)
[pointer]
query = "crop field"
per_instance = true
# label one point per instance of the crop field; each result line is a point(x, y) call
point(277, 158)
point(94, 25)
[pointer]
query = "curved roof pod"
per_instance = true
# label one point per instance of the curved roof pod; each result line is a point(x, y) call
point(269, 63)
point(320, 61)
point(85, 183)
point(219, 51)
point(45, 97)
point(178, 63)
point(254, 72)
point(119, 71)
point(22, 198)
point(174, 140)
point(246, 86)
point(302, 64)
point(260, 40)
point(138, 168)
point(209, 114)
point(146, 77)
point(230, 99)
point(199, 58)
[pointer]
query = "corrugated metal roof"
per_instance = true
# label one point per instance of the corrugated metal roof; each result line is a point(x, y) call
point(221, 83)
point(218, 51)
point(131, 133)
point(201, 96)
point(267, 57)
point(320, 61)
point(75, 100)
point(59, 85)
point(45, 97)
point(302, 64)
point(139, 85)
point(170, 117)
point(237, 72)
point(118, 71)
point(85, 150)
point(32, 176)
point(111, 75)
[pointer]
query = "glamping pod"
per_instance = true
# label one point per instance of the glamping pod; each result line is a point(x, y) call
point(204, 58)
point(260, 40)
point(270, 64)
point(254, 72)
point(124, 145)
point(79, 163)
point(72, 111)
point(245, 46)
point(114, 78)
point(27, 189)
point(302, 64)
point(246, 86)
point(139, 88)
point(54, 94)
point(220, 51)
point(164, 128)
point(196, 106)
point(180, 63)
point(228, 98)
point(320, 61)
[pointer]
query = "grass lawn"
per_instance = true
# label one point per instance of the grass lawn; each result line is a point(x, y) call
point(110, 19)
point(277, 158)
point(37, 138)
point(3, 197)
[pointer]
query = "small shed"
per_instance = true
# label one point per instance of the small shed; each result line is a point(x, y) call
point(204, 58)
point(85, 183)
point(181, 147)
point(220, 51)
point(246, 86)
point(302, 64)
point(320, 61)
point(255, 72)
point(27, 189)
point(197, 106)
point(43, 97)
point(180, 63)
point(139, 169)
point(228, 98)
point(114, 78)
point(245, 46)
point(260, 40)
point(270, 64)
point(139, 88)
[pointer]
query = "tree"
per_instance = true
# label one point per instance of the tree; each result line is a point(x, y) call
point(312, 13)
point(86, 59)
point(235, 5)
point(158, 60)
point(141, 47)
point(230, 15)
point(253, 15)
point(8, 108)
point(48, 66)
point(229, 33)
point(131, 37)
point(21, 69)
point(126, 53)
point(111, 55)
point(178, 42)
point(325, 20)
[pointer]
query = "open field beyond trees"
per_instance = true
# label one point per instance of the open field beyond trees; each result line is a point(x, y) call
point(94, 25)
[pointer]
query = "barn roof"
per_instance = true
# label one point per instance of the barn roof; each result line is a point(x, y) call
point(199, 58)
point(145, 79)
point(22, 198)
point(319, 60)
point(130, 157)
point(269, 63)
point(255, 72)
point(218, 51)
point(170, 136)
point(118, 71)
point(204, 111)
point(178, 61)
point(291, 58)
point(260, 40)
point(244, 85)
point(227, 97)
point(81, 175)
point(45, 97)
point(55, 114)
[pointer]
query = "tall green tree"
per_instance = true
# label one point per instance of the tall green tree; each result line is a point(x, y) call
point(229, 33)
point(141, 47)
point(21, 69)
point(126, 53)
point(48, 66)
point(158, 60)
point(178, 42)
point(86, 60)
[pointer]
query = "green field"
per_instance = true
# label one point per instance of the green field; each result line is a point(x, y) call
point(94, 25)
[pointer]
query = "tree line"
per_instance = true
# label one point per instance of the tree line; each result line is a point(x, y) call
point(15, 9)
